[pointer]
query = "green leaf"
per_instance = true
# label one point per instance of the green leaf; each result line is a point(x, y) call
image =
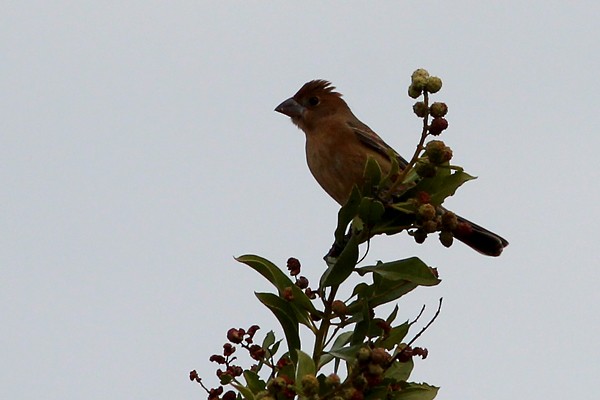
point(393, 315)
point(302, 305)
point(372, 176)
point(268, 340)
point(416, 391)
point(267, 269)
point(372, 171)
point(343, 266)
point(361, 329)
point(410, 269)
point(286, 317)
point(274, 348)
point(253, 381)
point(306, 365)
point(442, 186)
point(399, 371)
point(370, 210)
point(346, 214)
point(339, 343)
point(346, 353)
point(395, 337)
point(387, 290)
point(246, 393)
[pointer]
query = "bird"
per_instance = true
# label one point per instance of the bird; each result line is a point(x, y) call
point(338, 146)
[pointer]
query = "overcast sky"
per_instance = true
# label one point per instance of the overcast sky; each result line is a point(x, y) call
point(140, 152)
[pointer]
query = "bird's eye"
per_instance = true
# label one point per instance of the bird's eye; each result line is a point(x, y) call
point(313, 101)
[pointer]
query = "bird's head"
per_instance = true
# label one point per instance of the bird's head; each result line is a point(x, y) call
point(315, 101)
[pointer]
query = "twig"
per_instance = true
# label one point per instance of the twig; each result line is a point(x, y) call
point(428, 324)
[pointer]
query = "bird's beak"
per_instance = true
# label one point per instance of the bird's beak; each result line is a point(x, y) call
point(291, 108)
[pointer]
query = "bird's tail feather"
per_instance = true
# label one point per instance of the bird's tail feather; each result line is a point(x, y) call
point(481, 240)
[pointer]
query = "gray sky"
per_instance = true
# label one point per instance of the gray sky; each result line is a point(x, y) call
point(140, 153)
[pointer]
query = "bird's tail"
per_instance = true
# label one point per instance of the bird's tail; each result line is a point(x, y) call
point(480, 239)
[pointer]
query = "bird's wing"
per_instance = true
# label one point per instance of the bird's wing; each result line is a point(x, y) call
point(373, 141)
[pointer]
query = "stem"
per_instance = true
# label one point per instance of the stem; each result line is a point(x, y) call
point(419, 148)
point(321, 336)
point(428, 324)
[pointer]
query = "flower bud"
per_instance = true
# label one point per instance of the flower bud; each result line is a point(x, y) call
point(414, 92)
point(288, 293)
point(449, 221)
point(429, 226)
point(309, 384)
point(433, 84)
point(363, 354)
point(332, 380)
point(419, 73)
point(446, 238)
point(420, 109)
point(375, 369)
point(437, 152)
point(426, 212)
point(438, 125)
point(293, 265)
point(425, 169)
point(302, 282)
point(420, 235)
point(438, 109)
point(235, 335)
point(380, 356)
point(339, 308)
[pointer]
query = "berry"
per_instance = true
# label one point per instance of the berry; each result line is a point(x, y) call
point(446, 238)
point(438, 109)
point(433, 84)
point(420, 109)
point(438, 125)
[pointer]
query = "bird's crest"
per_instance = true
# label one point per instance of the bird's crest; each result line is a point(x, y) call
point(318, 86)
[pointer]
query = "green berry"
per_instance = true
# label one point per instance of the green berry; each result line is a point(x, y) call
point(429, 226)
point(438, 109)
point(425, 169)
point(449, 221)
point(420, 109)
point(437, 152)
point(419, 73)
point(309, 384)
point(414, 92)
point(363, 354)
point(426, 212)
point(433, 84)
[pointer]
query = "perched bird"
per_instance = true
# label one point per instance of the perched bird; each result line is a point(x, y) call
point(338, 145)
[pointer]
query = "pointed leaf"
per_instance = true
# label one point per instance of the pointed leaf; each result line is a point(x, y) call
point(267, 269)
point(244, 391)
point(346, 353)
point(347, 213)
point(370, 210)
point(410, 269)
point(395, 337)
point(306, 365)
point(253, 381)
point(274, 275)
point(442, 186)
point(286, 317)
point(343, 266)
point(339, 343)
point(268, 340)
point(416, 391)
point(399, 371)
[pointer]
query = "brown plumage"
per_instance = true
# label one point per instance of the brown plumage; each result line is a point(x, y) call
point(338, 145)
